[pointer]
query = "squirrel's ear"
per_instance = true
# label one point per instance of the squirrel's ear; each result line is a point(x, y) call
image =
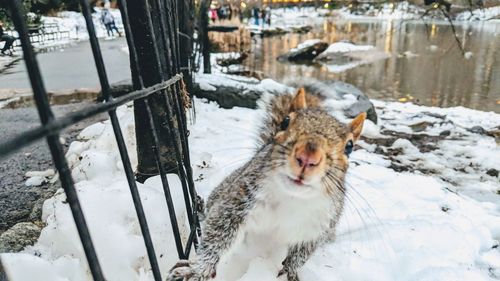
point(356, 125)
point(299, 101)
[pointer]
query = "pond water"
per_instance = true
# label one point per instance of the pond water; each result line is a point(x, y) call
point(435, 74)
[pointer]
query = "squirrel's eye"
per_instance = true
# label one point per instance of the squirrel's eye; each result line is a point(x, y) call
point(284, 124)
point(348, 147)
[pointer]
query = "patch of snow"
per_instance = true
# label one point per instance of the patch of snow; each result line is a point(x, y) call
point(344, 47)
point(388, 11)
point(35, 181)
point(479, 14)
point(46, 173)
point(306, 44)
point(37, 178)
point(410, 54)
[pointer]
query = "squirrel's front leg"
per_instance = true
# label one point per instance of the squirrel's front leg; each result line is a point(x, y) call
point(220, 228)
point(297, 256)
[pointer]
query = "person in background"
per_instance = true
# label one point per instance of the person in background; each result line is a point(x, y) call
point(268, 16)
point(109, 22)
point(213, 14)
point(263, 16)
point(256, 13)
point(9, 40)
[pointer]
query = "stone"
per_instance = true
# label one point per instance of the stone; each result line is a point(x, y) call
point(19, 236)
point(477, 130)
point(492, 172)
point(307, 53)
point(363, 103)
point(229, 97)
point(445, 133)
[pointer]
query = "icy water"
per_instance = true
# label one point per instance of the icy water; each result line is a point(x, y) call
point(438, 75)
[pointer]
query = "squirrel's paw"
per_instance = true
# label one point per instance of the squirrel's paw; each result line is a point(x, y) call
point(290, 275)
point(182, 271)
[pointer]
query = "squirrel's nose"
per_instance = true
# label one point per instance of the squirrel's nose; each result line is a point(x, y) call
point(308, 157)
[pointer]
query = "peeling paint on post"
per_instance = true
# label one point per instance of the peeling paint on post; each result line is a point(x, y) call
point(156, 64)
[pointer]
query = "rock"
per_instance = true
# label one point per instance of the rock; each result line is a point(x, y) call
point(19, 236)
point(272, 32)
point(229, 97)
point(304, 53)
point(477, 130)
point(302, 29)
point(231, 60)
point(363, 103)
point(492, 172)
point(362, 106)
point(420, 126)
point(247, 73)
point(445, 133)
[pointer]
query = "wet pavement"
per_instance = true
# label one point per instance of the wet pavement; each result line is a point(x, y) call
point(71, 67)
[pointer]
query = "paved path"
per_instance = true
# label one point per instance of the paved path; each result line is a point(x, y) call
point(71, 67)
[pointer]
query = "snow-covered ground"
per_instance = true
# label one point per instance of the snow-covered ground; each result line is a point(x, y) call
point(437, 220)
point(480, 14)
point(73, 28)
point(399, 10)
point(288, 19)
point(74, 23)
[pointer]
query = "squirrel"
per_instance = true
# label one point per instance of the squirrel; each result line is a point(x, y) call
point(285, 201)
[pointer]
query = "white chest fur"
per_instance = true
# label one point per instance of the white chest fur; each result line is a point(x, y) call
point(279, 219)
point(281, 214)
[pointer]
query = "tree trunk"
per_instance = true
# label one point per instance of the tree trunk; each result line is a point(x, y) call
point(156, 61)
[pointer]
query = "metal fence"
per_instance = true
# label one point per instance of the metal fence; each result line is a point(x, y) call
point(175, 122)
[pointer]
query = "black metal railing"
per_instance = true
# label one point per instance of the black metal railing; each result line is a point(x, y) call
point(173, 91)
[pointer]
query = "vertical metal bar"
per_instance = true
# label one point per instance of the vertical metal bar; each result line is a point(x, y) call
point(166, 187)
point(181, 122)
point(121, 143)
point(181, 118)
point(177, 149)
point(56, 150)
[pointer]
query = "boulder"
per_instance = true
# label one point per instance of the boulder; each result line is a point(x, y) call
point(306, 51)
point(362, 103)
point(228, 96)
point(19, 236)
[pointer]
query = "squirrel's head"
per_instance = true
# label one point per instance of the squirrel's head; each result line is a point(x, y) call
point(311, 149)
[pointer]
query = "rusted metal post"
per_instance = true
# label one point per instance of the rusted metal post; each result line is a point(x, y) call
point(155, 66)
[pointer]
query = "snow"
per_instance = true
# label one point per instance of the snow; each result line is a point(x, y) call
point(388, 11)
point(414, 225)
point(74, 23)
point(288, 18)
point(306, 44)
point(344, 47)
point(479, 14)
point(37, 178)
point(209, 82)
point(356, 54)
